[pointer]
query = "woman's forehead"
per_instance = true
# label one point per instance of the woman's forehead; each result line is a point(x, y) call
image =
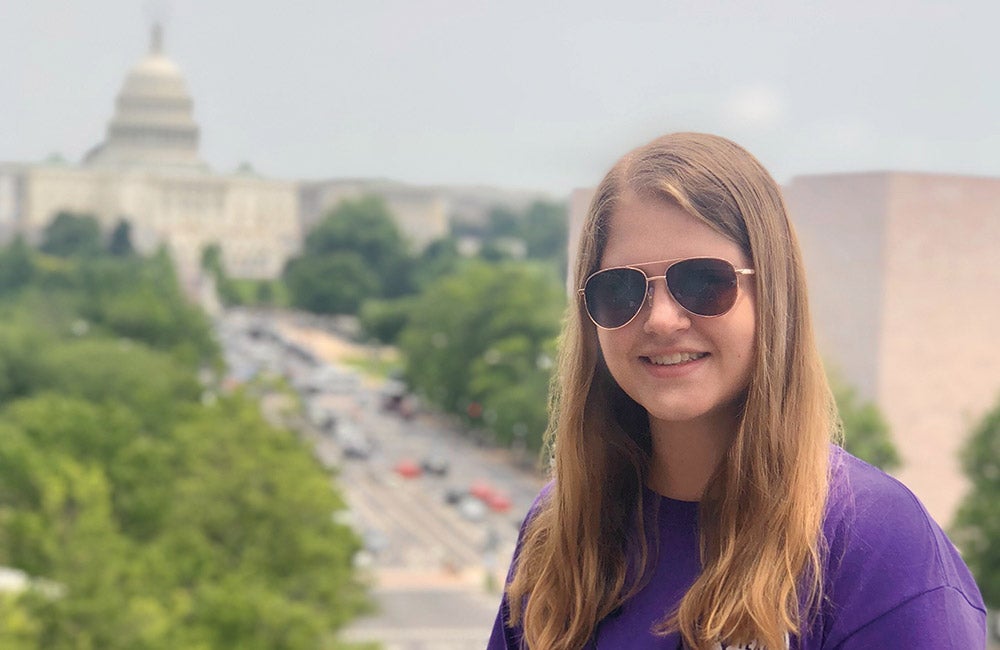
point(644, 230)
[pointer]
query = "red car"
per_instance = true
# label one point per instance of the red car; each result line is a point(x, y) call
point(407, 469)
point(494, 499)
point(481, 490)
point(498, 502)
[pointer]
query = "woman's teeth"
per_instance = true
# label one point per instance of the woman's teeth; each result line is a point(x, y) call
point(674, 359)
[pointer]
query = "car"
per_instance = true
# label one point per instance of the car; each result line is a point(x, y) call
point(359, 450)
point(435, 464)
point(472, 508)
point(393, 391)
point(354, 443)
point(499, 502)
point(324, 419)
point(453, 496)
point(494, 499)
point(407, 468)
point(481, 490)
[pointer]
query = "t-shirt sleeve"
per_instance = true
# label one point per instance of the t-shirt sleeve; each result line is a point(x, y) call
point(504, 637)
point(894, 579)
point(939, 619)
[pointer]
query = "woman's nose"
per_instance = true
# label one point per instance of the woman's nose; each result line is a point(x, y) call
point(663, 314)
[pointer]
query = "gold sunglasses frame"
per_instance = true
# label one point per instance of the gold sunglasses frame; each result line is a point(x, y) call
point(649, 286)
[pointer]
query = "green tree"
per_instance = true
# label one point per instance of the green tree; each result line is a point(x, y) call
point(511, 380)
point(357, 249)
point(545, 234)
point(225, 287)
point(121, 239)
point(494, 251)
point(89, 432)
point(441, 257)
point(19, 630)
point(265, 293)
point(143, 516)
point(243, 517)
point(333, 284)
point(480, 336)
point(385, 320)
point(71, 234)
point(17, 265)
point(866, 433)
point(364, 225)
point(502, 222)
point(141, 299)
point(21, 368)
point(977, 524)
point(269, 512)
point(211, 258)
point(107, 371)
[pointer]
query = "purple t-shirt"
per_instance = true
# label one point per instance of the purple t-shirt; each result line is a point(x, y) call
point(892, 577)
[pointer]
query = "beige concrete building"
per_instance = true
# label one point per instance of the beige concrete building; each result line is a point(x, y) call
point(148, 171)
point(905, 294)
point(905, 291)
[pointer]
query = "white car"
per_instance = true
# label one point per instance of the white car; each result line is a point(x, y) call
point(472, 508)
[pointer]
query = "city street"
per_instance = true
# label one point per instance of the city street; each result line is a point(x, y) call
point(435, 554)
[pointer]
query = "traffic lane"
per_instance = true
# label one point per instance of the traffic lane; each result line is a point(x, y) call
point(424, 438)
point(468, 466)
point(425, 619)
point(411, 519)
point(412, 439)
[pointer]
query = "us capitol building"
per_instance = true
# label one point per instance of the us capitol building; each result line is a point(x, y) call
point(148, 172)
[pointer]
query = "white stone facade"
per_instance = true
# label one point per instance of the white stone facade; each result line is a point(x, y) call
point(148, 172)
point(254, 220)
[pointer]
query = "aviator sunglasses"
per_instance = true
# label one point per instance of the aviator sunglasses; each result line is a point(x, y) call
point(703, 286)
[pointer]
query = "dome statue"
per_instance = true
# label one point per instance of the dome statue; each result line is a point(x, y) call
point(153, 125)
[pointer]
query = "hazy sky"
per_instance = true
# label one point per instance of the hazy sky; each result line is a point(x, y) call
point(519, 93)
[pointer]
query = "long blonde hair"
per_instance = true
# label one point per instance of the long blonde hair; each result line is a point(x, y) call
point(761, 514)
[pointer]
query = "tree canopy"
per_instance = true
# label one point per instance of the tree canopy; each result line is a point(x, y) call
point(120, 244)
point(72, 234)
point(142, 508)
point(479, 342)
point(356, 252)
point(977, 524)
point(866, 433)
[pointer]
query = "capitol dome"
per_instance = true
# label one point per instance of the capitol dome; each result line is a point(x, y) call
point(153, 124)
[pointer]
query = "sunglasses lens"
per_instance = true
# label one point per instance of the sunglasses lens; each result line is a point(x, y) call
point(615, 296)
point(706, 287)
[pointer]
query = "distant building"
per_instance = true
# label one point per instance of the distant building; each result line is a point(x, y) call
point(421, 215)
point(148, 171)
point(903, 285)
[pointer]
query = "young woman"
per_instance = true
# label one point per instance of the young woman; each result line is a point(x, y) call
point(696, 500)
